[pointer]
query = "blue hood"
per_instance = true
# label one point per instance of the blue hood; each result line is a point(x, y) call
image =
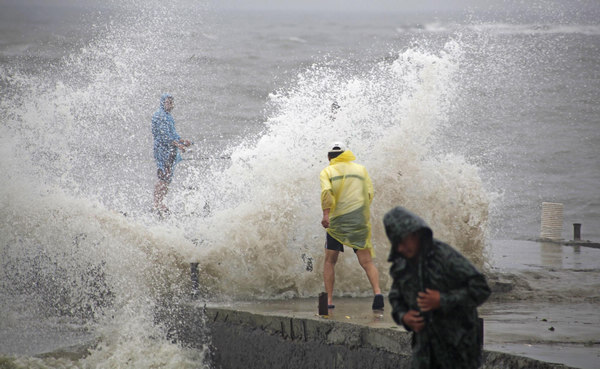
point(164, 98)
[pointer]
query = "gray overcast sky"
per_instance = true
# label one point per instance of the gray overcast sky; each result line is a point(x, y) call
point(350, 5)
point(580, 9)
point(400, 5)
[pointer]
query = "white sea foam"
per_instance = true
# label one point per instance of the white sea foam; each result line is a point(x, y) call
point(501, 28)
point(267, 214)
point(264, 207)
point(70, 146)
point(74, 257)
point(264, 210)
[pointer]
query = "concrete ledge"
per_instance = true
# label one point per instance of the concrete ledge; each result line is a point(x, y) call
point(320, 330)
point(242, 339)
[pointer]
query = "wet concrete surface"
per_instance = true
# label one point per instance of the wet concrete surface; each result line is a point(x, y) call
point(517, 328)
point(546, 304)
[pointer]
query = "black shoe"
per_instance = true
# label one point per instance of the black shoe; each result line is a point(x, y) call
point(378, 302)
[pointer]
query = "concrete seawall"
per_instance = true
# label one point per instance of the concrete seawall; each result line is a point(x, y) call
point(242, 339)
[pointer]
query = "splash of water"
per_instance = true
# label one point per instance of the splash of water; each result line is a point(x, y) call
point(74, 258)
point(72, 153)
point(266, 219)
point(73, 156)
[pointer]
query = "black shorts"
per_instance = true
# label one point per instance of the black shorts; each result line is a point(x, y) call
point(335, 245)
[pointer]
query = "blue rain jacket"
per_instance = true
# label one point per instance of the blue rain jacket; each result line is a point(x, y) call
point(163, 129)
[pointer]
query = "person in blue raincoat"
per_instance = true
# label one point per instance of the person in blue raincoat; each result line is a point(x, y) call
point(167, 144)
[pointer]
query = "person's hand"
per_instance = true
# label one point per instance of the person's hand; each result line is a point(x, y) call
point(186, 143)
point(325, 221)
point(414, 320)
point(180, 145)
point(428, 300)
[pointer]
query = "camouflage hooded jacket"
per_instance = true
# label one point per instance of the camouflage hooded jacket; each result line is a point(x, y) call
point(451, 333)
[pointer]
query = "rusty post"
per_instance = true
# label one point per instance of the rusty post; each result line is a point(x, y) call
point(323, 304)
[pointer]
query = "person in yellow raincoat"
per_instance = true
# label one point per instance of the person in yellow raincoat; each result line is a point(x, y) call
point(346, 195)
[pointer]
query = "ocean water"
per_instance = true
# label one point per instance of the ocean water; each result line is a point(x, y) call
point(471, 119)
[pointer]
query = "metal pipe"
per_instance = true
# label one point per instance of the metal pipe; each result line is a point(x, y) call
point(194, 277)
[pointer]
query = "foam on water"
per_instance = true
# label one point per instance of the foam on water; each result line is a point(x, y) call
point(74, 258)
point(267, 214)
point(71, 149)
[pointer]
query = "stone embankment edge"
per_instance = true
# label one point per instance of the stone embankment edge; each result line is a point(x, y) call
point(241, 339)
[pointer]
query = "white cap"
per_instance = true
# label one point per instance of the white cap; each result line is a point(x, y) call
point(337, 146)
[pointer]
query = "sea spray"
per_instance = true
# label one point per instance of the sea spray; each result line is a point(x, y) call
point(267, 215)
point(96, 267)
point(80, 174)
point(77, 243)
point(82, 123)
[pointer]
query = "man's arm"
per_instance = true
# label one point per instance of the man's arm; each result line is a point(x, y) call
point(325, 220)
point(475, 290)
point(327, 198)
point(411, 320)
point(181, 144)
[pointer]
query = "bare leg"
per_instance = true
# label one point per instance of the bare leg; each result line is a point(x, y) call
point(160, 191)
point(366, 262)
point(331, 257)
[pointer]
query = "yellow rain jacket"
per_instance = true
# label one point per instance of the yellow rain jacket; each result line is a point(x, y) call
point(347, 191)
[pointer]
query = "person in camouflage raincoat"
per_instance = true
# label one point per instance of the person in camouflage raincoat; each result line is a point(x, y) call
point(435, 294)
